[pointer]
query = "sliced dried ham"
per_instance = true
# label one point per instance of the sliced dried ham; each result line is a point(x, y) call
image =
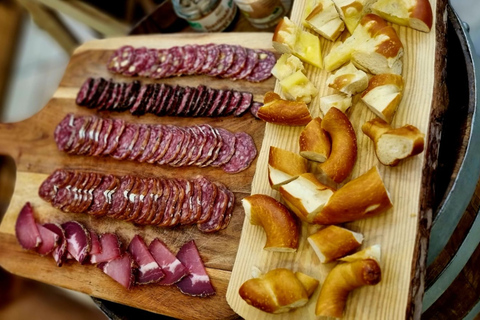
point(172, 267)
point(96, 245)
point(79, 243)
point(49, 240)
point(148, 269)
point(60, 252)
point(197, 283)
point(26, 228)
point(121, 269)
point(111, 249)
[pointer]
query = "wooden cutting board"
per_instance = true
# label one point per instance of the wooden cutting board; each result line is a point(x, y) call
point(30, 143)
point(400, 231)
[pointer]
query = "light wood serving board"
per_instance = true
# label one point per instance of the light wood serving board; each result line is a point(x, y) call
point(398, 231)
point(30, 143)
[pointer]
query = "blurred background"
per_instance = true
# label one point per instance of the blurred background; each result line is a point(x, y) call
point(36, 40)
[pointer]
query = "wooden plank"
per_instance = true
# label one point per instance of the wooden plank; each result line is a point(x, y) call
point(30, 143)
point(397, 230)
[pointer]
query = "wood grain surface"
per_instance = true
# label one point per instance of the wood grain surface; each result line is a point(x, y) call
point(397, 230)
point(30, 143)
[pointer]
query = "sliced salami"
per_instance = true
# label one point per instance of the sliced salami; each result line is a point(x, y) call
point(228, 148)
point(177, 62)
point(213, 54)
point(147, 68)
point(244, 105)
point(153, 144)
point(233, 103)
point(238, 64)
point(209, 194)
point(245, 153)
point(201, 56)
point(263, 69)
point(163, 65)
point(225, 60)
point(220, 207)
point(126, 142)
point(189, 59)
point(175, 145)
point(250, 63)
point(139, 62)
point(142, 141)
point(255, 107)
point(84, 90)
point(121, 59)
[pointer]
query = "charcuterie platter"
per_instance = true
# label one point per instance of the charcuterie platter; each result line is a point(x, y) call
point(32, 144)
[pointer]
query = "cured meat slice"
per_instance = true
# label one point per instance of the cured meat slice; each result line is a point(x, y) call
point(171, 102)
point(64, 195)
point(209, 194)
point(95, 92)
point(118, 103)
point(139, 201)
point(170, 204)
point(177, 212)
point(60, 252)
point(213, 54)
point(156, 135)
point(189, 59)
point(220, 207)
point(139, 62)
point(142, 141)
point(215, 103)
point(216, 150)
point(148, 67)
point(78, 239)
point(196, 149)
point(121, 59)
point(183, 100)
point(139, 106)
point(183, 148)
point(77, 191)
point(209, 146)
point(179, 93)
point(131, 97)
point(188, 111)
point(197, 283)
point(81, 133)
point(128, 93)
point(89, 136)
point(156, 104)
point(186, 210)
point(263, 69)
point(120, 269)
point(113, 96)
point(245, 152)
point(191, 147)
point(126, 142)
point(96, 245)
point(196, 106)
point(163, 65)
point(119, 200)
point(83, 93)
point(223, 104)
point(118, 126)
point(153, 98)
point(101, 145)
point(111, 249)
point(172, 267)
point(195, 204)
point(175, 144)
point(251, 62)
point(178, 57)
point(148, 269)
point(104, 97)
point(233, 103)
point(201, 56)
point(150, 191)
point(132, 198)
point(58, 179)
point(102, 195)
point(227, 149)
point(166, 96)
point(162, 202)
point(238, 64)
point(208, 100)
point(165, 143)
point(88, 193)
point(65, 132)
point(225, 60)
point(230, 206)
point(96, 136)
point(255, 107)
point(244, 104)
point(26, 229)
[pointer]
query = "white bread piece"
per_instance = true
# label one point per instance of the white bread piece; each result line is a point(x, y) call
point(277, 291)
point(360, 198)
point(305, 196)
point(289, 38)
point(373, 252)
point(309, 283)
point(340, 101)
point(314, 142)
point(348, 79)
point(298, 87)
point(392, 145)
point(374, 47)
point(325, 20)
point(287, 65)
point(280, 225)
point(383, 95)
point(283, 112)
point(334, 242)
point(352, 11)
point(416, 14)
point(343, 154)
point(284, 166)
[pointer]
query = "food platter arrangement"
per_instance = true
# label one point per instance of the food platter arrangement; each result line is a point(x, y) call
point(171, 170)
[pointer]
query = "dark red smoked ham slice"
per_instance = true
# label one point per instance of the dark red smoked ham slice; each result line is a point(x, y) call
point(148, 269)
point(110, 249)
point(172, 267)
point(197, 283)
point(49, 240)
point(26, 228)
point(79, 243)
point(120, 269)
point(96, 246)
point(59, 253)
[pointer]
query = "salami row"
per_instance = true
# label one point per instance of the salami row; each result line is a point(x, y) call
point(138, 264)
point(217, 60)
point(145, 201)
point(162, 99)
point(198, 145)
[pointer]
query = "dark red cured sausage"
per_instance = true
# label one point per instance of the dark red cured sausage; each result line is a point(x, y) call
point(121, 59)
point(238, 64)
point(139, 62)
point(175, 144)
point(58, 179)
point(189, 59)
point(177, 62)
point(102, 196)
point(142, 141)
point(114, 137)
point(126, 142)
point(245, 152)
point(228, 148)
point(213, 54)
point(164, 145)
point(263, 69)
point(255, 107)
point(244, 105)
point(119, 198)
point(105, 131)
point(233, 103)
point(219, 208)
point(209, 194)
point(225, 60)
point(65, 132)
point(83, 93)
point(148, 67)
point(156, 135)
point(251, 62)
point(201, 56)
point(162, 65)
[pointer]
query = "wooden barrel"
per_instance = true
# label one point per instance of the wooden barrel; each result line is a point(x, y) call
point(452, 282)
